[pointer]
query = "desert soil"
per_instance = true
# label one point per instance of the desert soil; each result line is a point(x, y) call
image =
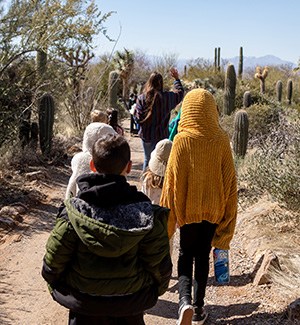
point(25, 299)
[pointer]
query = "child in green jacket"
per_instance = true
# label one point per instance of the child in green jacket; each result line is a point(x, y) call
point(108, 259)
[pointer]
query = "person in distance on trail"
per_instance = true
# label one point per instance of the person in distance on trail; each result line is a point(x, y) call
point(153, 109)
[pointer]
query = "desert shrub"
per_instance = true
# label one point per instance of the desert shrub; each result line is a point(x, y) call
point(14, 157)
point(274, 166)
point(262, 120)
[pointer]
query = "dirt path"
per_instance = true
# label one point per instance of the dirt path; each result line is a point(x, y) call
point(25, 299)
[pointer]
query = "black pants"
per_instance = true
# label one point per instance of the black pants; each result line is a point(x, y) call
point(79, 319)
point(195, 243)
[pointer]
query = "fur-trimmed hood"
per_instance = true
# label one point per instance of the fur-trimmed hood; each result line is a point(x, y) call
point(108, 212)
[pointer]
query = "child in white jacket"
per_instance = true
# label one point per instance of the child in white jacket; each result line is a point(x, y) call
point(80, 163)
point(153, 177)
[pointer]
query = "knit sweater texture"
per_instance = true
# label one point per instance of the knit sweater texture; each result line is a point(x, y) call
point(200, 180)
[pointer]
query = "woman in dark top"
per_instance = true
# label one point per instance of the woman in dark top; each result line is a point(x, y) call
point(153, 109)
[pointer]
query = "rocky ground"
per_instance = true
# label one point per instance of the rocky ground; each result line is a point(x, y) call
point(25, 299)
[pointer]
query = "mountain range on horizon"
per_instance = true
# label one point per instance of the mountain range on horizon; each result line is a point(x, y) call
point(250, 62)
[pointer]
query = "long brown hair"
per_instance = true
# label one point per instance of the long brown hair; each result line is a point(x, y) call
point(112, 117)
point(152, 88)
point(152, 180)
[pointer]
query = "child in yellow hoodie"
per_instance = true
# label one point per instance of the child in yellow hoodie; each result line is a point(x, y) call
point(200, 190)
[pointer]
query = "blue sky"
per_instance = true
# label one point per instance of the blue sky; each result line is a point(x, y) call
point(193, 28)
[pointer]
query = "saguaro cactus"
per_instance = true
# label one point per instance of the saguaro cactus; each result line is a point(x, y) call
point(216, 59)
point(41, 63)
point(247, 99)
point(46, 120)
point(279, 90)
point(240, 71)
point(113, 85)
point(229, 93)
point(289, 91)
point(240, 135)
point(219, 59)
point(261, 75)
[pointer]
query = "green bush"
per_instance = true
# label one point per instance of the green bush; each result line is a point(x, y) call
point(274, 166)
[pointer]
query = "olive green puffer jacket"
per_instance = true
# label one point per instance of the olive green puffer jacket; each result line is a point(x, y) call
point(107, 252)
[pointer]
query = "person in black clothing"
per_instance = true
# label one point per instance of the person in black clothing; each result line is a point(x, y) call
point(134, 127)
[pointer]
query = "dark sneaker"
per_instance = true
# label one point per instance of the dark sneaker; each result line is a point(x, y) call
point(200, 315)
point(186, 311)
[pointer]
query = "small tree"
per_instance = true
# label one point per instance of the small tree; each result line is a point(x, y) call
point(124, 62)
point(79, 100)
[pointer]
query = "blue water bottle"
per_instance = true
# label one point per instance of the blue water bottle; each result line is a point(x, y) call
point(221, 265)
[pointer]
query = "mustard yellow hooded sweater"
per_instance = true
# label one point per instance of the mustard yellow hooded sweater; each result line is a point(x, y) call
point(200, 180)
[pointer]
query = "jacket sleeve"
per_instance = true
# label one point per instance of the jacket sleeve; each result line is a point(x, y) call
point(225, 229)
point(155, 250)
point(139, 113)
point(60, 247)
point(71, 188)
point(175, 97)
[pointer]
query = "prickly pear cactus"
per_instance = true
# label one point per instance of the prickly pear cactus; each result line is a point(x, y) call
point(229, 93)
point(289, 91)
point(279, 90)
point(247, 99)
point(46, 120)
point(240, 135)
point(113, 86)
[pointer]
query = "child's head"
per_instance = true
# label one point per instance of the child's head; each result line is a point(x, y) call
point(112, 117)
point(111, 155)
point(98, 116)
point(92, 132)
point(158, 163)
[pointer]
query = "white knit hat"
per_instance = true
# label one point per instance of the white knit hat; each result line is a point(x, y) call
point(93, 132)
point(159, 157)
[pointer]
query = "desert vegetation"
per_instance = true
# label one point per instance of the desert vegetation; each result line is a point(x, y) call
point(50, 81)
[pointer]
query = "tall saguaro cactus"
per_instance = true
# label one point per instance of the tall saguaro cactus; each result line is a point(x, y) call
point(261, 75)
point(279, 90)
point(240, 135)
point(289, 91)
point(41, 64)
point(113, 85)
point(219, 59)
point(229, 93)
point(46, 120)
point(240, 71)
point(216, 59)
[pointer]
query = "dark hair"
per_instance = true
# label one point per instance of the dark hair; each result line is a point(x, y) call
point(111, 153)
point(153, 86)
point(112, 117)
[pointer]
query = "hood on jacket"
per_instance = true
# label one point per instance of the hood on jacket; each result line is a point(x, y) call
point(199, 115)
point(109, 215)
point(92, 132)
